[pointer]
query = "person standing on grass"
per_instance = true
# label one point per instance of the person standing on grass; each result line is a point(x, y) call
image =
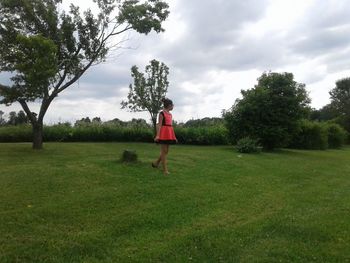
point(165, 134)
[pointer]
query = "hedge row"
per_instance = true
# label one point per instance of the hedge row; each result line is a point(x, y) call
point(103, 133)
point(202, 136)
point(318, 136)
point(311, 135)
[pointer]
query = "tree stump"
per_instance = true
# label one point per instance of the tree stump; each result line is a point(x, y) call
point(129, 156)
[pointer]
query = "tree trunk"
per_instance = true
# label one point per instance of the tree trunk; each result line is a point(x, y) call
point(37, 136)
point(154, 123)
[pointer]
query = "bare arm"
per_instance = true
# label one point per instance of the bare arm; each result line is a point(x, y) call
point(159, 124)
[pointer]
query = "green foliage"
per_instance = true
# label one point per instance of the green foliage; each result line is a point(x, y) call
point(336, 135)
point(20, 133)
point(111, 132)
point(340, 96)
point(270, 111)
point(16, 118)
point(58, 133)
point(205, 122)
point(339, 108)
point(147, 92)
point(311, 135)
point(247, 145)
point(96, 133)
point(46, 49)
point(143, 17)
point(326, 113)
point(318, 135)
point(33, 75)
point(202, 136)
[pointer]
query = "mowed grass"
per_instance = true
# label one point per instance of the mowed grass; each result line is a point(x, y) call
point(77, 203)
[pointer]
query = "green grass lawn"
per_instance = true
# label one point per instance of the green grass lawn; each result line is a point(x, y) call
point(77, 203)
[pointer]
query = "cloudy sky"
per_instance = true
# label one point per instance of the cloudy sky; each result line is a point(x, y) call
point(214, 49)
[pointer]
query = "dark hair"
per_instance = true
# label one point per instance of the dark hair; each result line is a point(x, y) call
point(167, 102)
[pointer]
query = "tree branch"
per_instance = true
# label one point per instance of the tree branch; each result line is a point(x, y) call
point(65, 72)
point(30, 115)
point(119, 32)
point(74, 79)
point(78, 75)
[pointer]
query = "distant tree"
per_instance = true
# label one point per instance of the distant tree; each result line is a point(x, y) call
point(340, 101)
point(340, 96)
point(83, 121)
point(270, 111)
point(116, 122)
point(327, 112)
point(48, 49)
point(2, 120)
point(17, 118)
point(96, 120)
point(147, 91)
point(138, 123)
point(12, 118)
point(21, 118)
point(205, 122)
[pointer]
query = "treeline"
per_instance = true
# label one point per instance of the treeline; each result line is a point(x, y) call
point(276, 113)
point(311, 135)
point(13, 118)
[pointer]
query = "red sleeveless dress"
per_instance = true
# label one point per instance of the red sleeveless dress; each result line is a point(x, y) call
point(167, 134)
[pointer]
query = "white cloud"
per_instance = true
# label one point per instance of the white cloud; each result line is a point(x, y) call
point(216, 48)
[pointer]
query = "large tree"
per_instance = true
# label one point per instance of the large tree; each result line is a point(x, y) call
point(270, 111)
point(47, 49)
point(147, 92)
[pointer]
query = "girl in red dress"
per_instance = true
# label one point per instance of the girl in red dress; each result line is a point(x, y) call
point(165, 134)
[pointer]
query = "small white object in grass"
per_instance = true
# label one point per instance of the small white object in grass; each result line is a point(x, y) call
point(239, 156)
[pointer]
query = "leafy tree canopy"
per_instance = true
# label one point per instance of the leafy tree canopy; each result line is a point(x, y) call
point(148, 90)
point(47, 49)
point(270, 111)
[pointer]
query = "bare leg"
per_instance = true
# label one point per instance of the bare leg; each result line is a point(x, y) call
point(163, 156)
point(164, 160)
point(159, 160)
point(164, 149)
point(156, 163)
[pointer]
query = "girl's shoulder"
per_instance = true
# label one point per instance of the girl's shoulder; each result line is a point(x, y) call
point(165, 112)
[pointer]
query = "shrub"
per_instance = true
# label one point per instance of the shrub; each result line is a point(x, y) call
point(57, 133)
point(247, 145)
point(110, 132)
point(19, 133)
point(336, 135)
point(202, 136)
point(270, 111)
point(311, 135)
